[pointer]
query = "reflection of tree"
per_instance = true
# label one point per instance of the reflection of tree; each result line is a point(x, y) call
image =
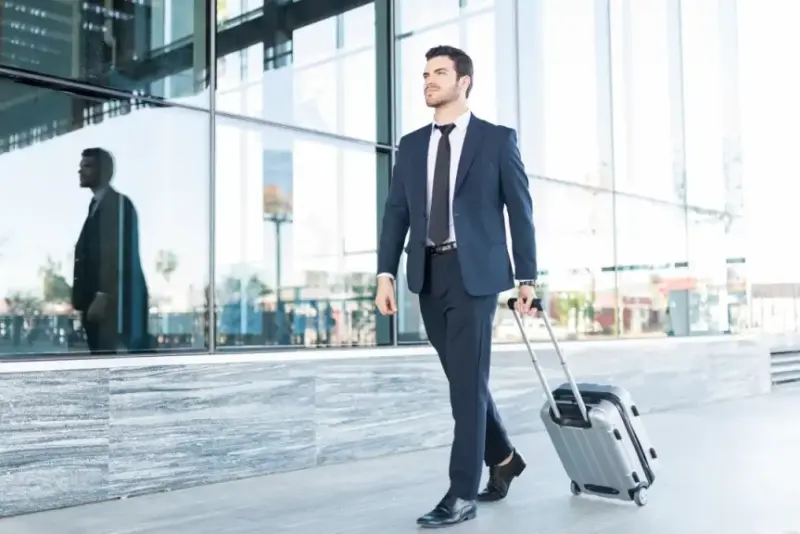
point(20, 303)
point(232, 289)
point(239, 303)
point(572, 306)
point(364, 314)
point(55, 288)
point(166, 264)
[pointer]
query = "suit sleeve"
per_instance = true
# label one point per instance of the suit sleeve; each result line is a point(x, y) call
point(517, 198)
point(394, 226)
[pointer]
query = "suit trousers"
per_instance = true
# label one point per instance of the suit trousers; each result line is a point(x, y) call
point(459, 326)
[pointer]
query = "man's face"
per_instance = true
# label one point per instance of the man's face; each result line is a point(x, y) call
point(88, 173)
point(442, 85)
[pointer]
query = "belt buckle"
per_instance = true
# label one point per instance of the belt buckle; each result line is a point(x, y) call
point(441, 249)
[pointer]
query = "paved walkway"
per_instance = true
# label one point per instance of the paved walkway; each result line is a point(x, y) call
point(726, 468)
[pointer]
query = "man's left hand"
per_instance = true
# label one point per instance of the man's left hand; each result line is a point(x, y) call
point(525, 299)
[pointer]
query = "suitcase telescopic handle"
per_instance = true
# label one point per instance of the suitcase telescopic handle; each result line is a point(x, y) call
point(537, 304)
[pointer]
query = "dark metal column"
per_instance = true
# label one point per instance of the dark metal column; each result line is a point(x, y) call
point(386, 328)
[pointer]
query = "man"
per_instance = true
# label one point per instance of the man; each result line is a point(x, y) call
point(109, 288)
point(449, 186)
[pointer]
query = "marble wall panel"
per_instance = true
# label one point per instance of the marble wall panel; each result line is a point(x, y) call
point(53, 439)
point(179, 426)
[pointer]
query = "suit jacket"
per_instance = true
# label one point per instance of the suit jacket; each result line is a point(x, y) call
point(490, 176)
point(107, 261)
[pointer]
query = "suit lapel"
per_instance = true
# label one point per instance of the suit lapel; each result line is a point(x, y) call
point(472, 142)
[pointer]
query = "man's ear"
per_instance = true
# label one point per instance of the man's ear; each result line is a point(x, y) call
point(465, 82)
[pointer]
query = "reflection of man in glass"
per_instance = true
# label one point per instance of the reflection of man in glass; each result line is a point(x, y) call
point(109, 288)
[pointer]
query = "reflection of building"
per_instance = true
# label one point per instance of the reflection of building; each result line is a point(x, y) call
point(75, 39)
point(39, 35)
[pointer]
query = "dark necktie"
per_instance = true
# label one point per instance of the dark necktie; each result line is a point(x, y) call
point(439, 221)
point(92, 204)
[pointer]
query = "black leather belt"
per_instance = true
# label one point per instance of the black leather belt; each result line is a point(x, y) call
point(435, 250)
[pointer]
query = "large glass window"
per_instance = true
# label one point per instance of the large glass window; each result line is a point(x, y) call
point(715, 303)
point(564, 108)
point(423, 25)
point(414, 15)
point(575, 246)
point(709, 96)
point(101, 196)
point(153, 48)
point(647, 108)
point(770, 85)
point(300, 63)
point(295, 238)
point(655, 291)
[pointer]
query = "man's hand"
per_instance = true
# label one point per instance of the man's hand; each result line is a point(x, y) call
point(97, 309)
point(525, 299)
point(385, 298)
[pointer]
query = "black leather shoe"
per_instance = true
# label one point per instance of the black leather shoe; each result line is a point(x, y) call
point(500, 477)
point(450, 511)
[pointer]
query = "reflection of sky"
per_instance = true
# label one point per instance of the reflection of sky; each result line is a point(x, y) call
point(160, 165)
point(770, 85)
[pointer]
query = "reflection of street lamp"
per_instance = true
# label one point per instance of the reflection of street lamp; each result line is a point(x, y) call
point(277, 210)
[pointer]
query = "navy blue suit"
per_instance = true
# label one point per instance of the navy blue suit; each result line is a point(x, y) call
point(459, 288)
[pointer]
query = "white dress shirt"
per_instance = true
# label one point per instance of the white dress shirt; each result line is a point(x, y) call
point(457, 136)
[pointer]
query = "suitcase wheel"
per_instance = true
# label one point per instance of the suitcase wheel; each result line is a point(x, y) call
point(574, 488)
point(640, 496)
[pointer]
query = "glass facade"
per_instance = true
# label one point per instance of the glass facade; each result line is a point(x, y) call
point(256, 151)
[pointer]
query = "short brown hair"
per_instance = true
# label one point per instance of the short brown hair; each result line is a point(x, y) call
point(104, 161)
point(461, 61)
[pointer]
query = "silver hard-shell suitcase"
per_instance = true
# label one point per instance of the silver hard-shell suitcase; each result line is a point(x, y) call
point(596, 430)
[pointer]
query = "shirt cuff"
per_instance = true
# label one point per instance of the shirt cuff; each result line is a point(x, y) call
point(385, 275)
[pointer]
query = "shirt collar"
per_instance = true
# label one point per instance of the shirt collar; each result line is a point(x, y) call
point(461, 121)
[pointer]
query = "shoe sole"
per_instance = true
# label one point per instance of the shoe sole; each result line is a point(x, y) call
point(467, 517)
